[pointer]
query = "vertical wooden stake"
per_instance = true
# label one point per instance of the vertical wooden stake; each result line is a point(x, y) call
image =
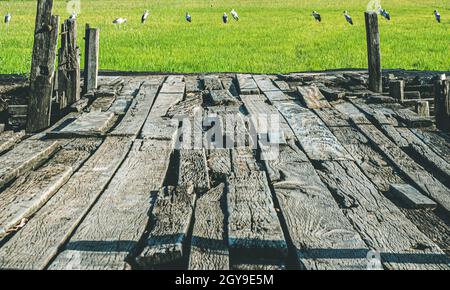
point(42, 67)
point(423, 108)
point(91, 58)
point(442, 104)
point(397, 90)
point(374, 54)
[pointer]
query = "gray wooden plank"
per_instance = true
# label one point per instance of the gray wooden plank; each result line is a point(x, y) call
point(170, 219)
point(27, 155)
point(193, 170)
point(120, 106)
point(219, 164)
point(193, 84)
point(209, 249)
point(283, 86)
point(264, 83)
point(228, 84)
point(212, 82)
point(35, 245)
point(31, 190)
point(315, 138)
point(93, 124)
point(412, 119)
point(109, 235)
point(380, 223)
point(312, 97)
point(247, 85)
point(174, 84)
point(411, 196)
point(163, 103)
point(321, 234)
point(136, 115)
point(10, 138)
point(221, 97)
point(438, 144)
point(274, 96)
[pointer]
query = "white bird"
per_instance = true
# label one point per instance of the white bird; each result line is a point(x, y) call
point(73, 16)
point(235, 15)
point(225, 17)
point(119, 21)
point(145, 16)
point(437, 15)
point(384, 13)
point(316, 16)
point(348, 17)
point(8, 18)
point(188, 17)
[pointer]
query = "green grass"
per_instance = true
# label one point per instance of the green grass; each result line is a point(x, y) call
point(271, 37)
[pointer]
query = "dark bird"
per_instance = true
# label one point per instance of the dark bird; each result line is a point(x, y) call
point(316, 16)
point(235, 15)
point(385, 14)
point(225, 17)
point(8, 18)
point(437, 15)
point(188, 17)
point(145, 16)
point(348, 17)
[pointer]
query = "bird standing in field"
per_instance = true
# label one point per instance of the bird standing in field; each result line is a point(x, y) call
point(119, 21)
point(145, 16)
point(8, 18)
point(437, 15)
point(188, 17)
point(316, 16)
point(235, 15)
point(225, 18)
point(348, 17)
point(385, 14)
point(73, 16)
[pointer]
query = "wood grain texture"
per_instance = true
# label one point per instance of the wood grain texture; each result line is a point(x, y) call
point(373, 52)
point(10, 138)
point(170, 219)
point(264, 83)
point(27, 155)
point(174, 84)
point(93, 124)
point(193, 170)
point(433, 140)
point(247, 86)
point(110, 233)
point(312, 97)
point(32, 190)
point(212, 82)
point(209, 249)
point(35, 245)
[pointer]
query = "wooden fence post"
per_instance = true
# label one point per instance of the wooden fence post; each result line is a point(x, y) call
point(374, 54)
point(92, 39)
point(397, 90)
point(423, 108)
point(442, 104)
point(42, 67)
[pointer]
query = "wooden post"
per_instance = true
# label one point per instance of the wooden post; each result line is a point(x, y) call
point(91, 53)
point(69, 65)
point(374, 54)
point(442, 104)
point(423, 108)
point(42, 67)
point(397, 90)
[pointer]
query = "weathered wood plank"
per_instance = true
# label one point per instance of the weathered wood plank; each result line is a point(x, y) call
point(92, 49)
point(9, 138)
point(253, 226)
point(35, 245)
point(221, 97)
point(27, 155)
point(109, 235)
point(411, 196)
point(411, 119)
point(212, 82)
point(170, 220)
point(31, 190)
point(332, 94)
point(274, 96)
point(322, 236)
point(120, 106)
point(173, 85)
point(283, 86)
point(193, 170)
point(264, 83)
point(433, 140)
point(228, 84)
point(247, 85)
point(373, 51)
point(312, 97)
point(193, 84)
point(209, 249)
point(315, 138)
point(219, 164)
point(379, 222)
point(93, 124)
point(136, 115)
point(163, 103)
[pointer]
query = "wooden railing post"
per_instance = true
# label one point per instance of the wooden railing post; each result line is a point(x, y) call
point(374, 54)
point(92, 40)
point(69, 65)
point(397, 90)
point(42, 67)
point(442, 104)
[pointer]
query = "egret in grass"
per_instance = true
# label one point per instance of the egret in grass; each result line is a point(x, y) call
point(316, 16)
point(385, 14)
point(119, 21)
point(145, 16)
point(8, 18)
point(73, 16)
point(235, 15)
point(437, 15)
point(188, 17)
point(348, 17)
point(225, 17)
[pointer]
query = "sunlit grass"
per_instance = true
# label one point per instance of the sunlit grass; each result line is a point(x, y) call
point(271, 36)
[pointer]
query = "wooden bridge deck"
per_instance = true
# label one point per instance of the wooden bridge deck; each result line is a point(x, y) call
point(113, 186)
